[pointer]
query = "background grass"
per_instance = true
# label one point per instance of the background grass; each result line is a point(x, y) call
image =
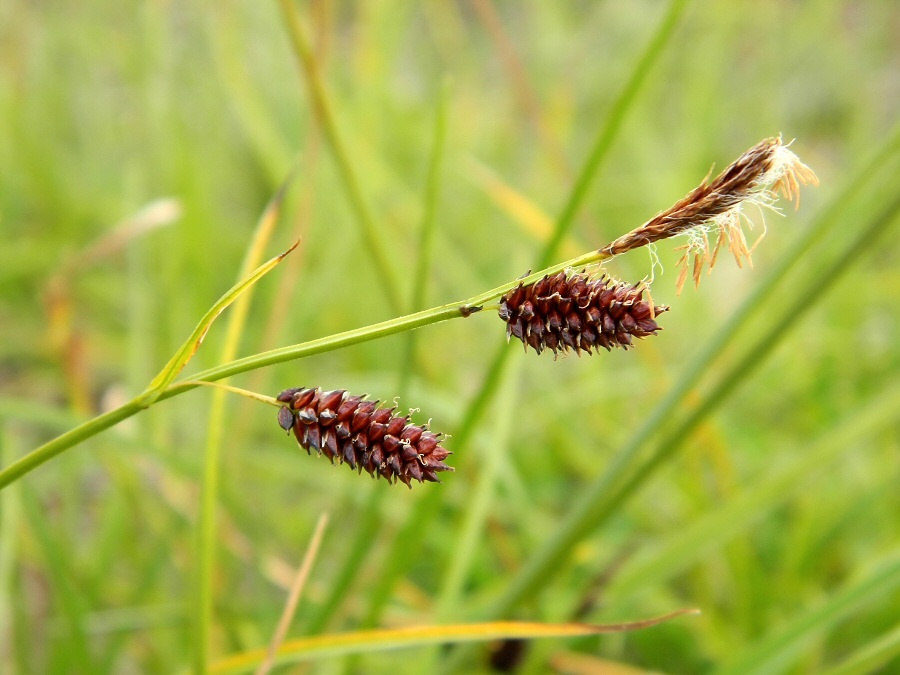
point(765, 495)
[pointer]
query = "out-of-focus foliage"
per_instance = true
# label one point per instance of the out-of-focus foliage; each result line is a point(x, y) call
point(107, 108)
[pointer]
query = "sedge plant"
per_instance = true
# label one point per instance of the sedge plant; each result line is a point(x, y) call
point(570, 305)
point(575, 305)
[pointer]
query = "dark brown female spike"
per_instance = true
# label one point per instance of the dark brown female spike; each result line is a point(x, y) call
point(573, 310)
point(362, 435)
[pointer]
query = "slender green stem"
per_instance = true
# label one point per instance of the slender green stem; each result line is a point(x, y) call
point(426, 317)
point(69, 439)
point(416, 320)
point(255, 396)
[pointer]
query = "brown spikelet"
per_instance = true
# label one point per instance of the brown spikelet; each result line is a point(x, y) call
point(575, 311)
point(756, 177)
point(359, 433)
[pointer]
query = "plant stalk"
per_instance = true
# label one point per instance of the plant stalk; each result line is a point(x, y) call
point(426, 317)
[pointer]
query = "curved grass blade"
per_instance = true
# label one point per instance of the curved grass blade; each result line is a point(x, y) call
point(186, 352)
point(341, 644)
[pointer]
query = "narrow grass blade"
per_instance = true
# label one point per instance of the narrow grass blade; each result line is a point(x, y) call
point(494, 377)
point(610, 130)
point(203, 605)
point(761, 497)
point(262, 235)
point(290, 607)
point(65, 586)
point(871, 657)
point(342, 644)
point(323, 110)
point(192, 344)
point(531, 218)
point(10, 520)
point(777, 651)
point(370, 526)
point(478, 509)
point(605, 496)
point(427, 228)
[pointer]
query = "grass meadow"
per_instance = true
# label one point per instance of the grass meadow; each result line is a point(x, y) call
point(744, 462)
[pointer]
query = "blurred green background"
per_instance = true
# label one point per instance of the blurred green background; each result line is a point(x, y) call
point(744, 462)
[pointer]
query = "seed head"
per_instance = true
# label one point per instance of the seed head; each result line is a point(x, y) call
point(575, 311)
point(359, 433)
point(712, 214)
